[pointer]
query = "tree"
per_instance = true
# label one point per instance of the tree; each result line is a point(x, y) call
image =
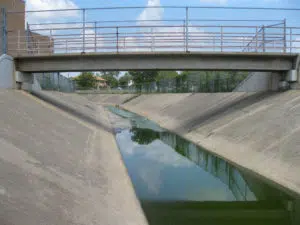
point(123, 81)
point(111, 80)
point(145, 78)
point(86, 80)
point(166, 75)
point(111, 73)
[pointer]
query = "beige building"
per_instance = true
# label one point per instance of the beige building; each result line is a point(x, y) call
point(19, 40)
point(100, 82)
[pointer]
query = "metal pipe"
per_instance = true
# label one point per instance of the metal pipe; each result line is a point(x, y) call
point(18, 41)
point(83, 30)
point(51, 41)
point(117, 30)
point(95, 36)
point(291, 39)
point(263, 38)
point(186, 29)
point(183, 35)
point(221, 39)
point(256, 40)
point(284, 36)
point(162, 7)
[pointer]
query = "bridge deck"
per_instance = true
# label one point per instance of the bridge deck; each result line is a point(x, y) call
point(159, 61)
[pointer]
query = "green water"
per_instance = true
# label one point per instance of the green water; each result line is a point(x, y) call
point(167, 170)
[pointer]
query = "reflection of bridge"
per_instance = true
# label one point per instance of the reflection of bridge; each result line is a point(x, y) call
point(236, 182)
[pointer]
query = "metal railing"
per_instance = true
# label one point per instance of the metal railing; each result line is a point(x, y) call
point(182, 34)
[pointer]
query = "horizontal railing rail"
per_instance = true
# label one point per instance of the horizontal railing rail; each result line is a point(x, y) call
point(183, 34)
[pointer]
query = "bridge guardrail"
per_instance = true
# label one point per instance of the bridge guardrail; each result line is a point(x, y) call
point(182, 34)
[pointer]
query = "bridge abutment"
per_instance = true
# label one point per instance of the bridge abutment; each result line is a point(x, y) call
point(260, 81)
point(7, 69)
point(24, 81)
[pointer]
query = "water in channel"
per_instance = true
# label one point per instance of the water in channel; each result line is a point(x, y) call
point(178, 182)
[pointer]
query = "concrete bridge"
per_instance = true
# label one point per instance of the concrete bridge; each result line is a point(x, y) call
point(270, 69)
point(58, 172)
point(182, 43)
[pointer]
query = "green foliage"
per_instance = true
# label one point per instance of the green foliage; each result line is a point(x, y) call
point(111, 80)
point(110, 73)
point(208, 81)
point(123, 81)
point(86, 80)
point(166, 75)
point(143, 78)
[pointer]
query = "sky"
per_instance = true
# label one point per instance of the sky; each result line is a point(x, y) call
point(167, 13)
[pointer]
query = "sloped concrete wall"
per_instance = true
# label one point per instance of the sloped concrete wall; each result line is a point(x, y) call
point(6, 72)
point(259, 132)
point(59, 168)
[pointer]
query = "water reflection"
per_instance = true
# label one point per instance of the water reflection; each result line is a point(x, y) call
point(166, 167)
point(143, 136)
point(181, 183)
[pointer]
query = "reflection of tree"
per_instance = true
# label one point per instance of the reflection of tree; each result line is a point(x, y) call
point(144, 136)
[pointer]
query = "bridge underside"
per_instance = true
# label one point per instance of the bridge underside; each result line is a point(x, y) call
point(157, 61)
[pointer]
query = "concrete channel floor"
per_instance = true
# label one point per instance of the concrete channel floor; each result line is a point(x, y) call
point(57, 169)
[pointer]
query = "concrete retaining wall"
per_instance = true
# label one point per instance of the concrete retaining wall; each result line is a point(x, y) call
point(259, 132)
point(259, 81)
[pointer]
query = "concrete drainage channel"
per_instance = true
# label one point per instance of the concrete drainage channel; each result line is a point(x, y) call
point(178, 182)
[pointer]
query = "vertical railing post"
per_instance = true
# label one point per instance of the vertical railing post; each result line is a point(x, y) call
point(51, 42)
point(256, 39)
point(291, 39)
point(186, 29)
point(263, 39)
point(27, 38)
point(4, 31)
point(117, 33)
point(83, 30)
point(95, 36)
point(152, 40)
point(66, 46)
point(19, 33)
point(284, 35)
point(221, 38)
point(183, 36)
